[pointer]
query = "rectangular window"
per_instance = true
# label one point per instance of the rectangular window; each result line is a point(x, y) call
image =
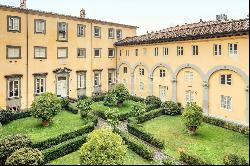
point(226, 102)
point(144, 51)
point(141, 71)
point(189, 96)
point(189, 76)
point(40, 52)
point(127, 52)
point(40, 26)
point(111, 33)
point(111, 77)
point(120, 52)
point(40, 85)
point(80, 30)
point(165, 51)
point(156, 53)
point(136, 52)
point(97, 53)
point(162, 73)
point(180, 50)
point(62, 31)
point(62, 52)
point(125, 70)
point(97, 79)
point(13, 88)
point(195, 50)
point(233, 49)
point(111, 52)
point(81, 80)
point(14, 23)
point(97, 32)
point(226, 79)
point(217, 49)
point(119, 34)
point(81, 52)
point(13, 52)
point(141, 86)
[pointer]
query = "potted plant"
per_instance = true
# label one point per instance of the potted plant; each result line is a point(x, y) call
point(121, 93)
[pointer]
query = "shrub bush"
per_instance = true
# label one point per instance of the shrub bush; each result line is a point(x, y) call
point(234, 159)
point(145, 136)
point(25, 156)
point(84, 107)
point(64, 148)
point(137, 146)
point(153, 100)
point(112, 117)
point(45, 107)
point(170, 162)
point(7, 116)
point(110, 100)
point(98, 98)
point(12, 143)
point(138, 109)
point(193, 117)
point(172, 108)
point(73, 109)
point(83, 97)
point(149, 115)
point(103, 147)
point(136, 98)
point(121, 93)
point(151, 107)
point(65, 103)
point(191, 160)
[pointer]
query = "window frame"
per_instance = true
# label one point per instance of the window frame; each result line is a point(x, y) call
point(217, 49)
point(156, 51)
point(66, 33)
point(99, 79)
point(162, 73)
point(84, 52)
point(100, 52)
point(35, 26)
point(11, 30)
point(141, 71)
point(125, 70)
point(189, 94)
point(77, 31)
point(235, 51)
point(13, 88)
point(180, 50)
point(113, 52)
point(141, 86)
point(100, 32)
point(15, 47)
point(119, 38)
point(79, 75)
point(67, 52)
point(35, 84)
point(165, 51)
point(195, 50)
point(113, 34)
point(137, 52)
point(188, 75)
point(224, 103)
point(227, 83)
point(35, 47)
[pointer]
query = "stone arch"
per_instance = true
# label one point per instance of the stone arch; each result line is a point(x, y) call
point(139, 64)
point(160, 65)
point(122, 63)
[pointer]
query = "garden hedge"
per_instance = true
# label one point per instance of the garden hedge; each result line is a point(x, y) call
point(64, 137)
point(191, 159)
point(150, 115)
point(98, 98)
point(136, 98)
point(72, 109)
point(63, 149)
point(121, 116)
point(7, 116)
point(137, 146)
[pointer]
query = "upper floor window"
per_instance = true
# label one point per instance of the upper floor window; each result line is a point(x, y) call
point(136, 52)
point(165, 51)
point(111, 33)
point(226, 79)
point(80, 30)
point(127, 52)
point(156, 53)
point(233, 49)
point(62, 31)
point(111, 53)
point(81, 53)
point(162, 73)
point(97, 53)
point(217, 49)
point(13, 88)
point(125, 70)
point(13, 52)
point(195, 50)
point(40, 85)
point(14, 24)
point(144, 51)
point(40, 26)
point(40, 52)
point(81, 80)
point(119, 34)
point(97, 32)
point(226, 102)
point(180, 50)
point(189, 76)
point(120, 52)
point(62, 52)
point(141, 71)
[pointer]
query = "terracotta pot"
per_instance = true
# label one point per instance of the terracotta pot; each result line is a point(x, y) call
point(119, 104)
point(45, 123)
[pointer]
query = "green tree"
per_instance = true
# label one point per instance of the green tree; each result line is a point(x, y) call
point(84, 106)
point(110, 99)
point(113, 117)
point(103, 147)
point(45, 107)
point(121, 93)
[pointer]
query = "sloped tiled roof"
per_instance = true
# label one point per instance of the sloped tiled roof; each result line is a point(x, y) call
point(200, 30)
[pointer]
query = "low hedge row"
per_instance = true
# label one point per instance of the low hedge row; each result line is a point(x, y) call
point(64, 148)
point(136, 98)
point(64, 137)
point(151, 107)
point(121, 116)
point(150, 115)
point(7, 116)
point(98, 98)
point(138, 131)
point(228, 125)
point(72, 108)
point(137, 146)
point(191, 160)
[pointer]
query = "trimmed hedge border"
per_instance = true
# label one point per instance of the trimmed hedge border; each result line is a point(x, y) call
point(7, 116)
point(121, 116)
point(137, 146)
point(227, 125)
point(64, 137)
point(150, 115)
point(191, 160)
point(63, 149)
point(72, 108)
point(136, 98)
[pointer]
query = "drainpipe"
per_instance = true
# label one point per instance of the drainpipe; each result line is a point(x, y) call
point(27, 59)
point(91, 60)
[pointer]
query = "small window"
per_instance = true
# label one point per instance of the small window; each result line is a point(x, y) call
point(226, 102)
point(233, 49)
point(156, 51)
point(81, 80)
point(189, 76)
point(97, 32)
point(125, 70)
point(97, 53)
point(180, 50)
point(14, 24)
point(111, 52)
point(97, 79)
point(141, 71)
point(62, 31)
point(162, 73)
point(13, 88)
point(127, 52)
point(111, 33)
point(217, 49)
point(111, 77)
point(80, 30)
point(195, 50)
point(136, 52)
point(40, 26)
point(40, 52)
point(119, 34)
point(144, 51)
point(120, 52)
point(81, 53)
point(141, 86)
point(226, 79)
point(13, 52)
point(189, 96)
point(40, 86)
point(165, 51)
point(62, 52)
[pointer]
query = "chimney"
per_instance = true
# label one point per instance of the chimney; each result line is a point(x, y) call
point(23, 4)
point(201, 20)
point(82, 13)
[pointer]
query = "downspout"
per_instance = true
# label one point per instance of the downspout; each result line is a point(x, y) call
point(91, 60)
point(116, 63)
point(27, 60)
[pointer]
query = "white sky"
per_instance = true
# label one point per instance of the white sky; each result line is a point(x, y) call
point(149, 15)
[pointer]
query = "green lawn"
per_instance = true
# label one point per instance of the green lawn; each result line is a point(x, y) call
point(62, 123)
point(210, 143)
point(73, 159)
point(125, 108)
